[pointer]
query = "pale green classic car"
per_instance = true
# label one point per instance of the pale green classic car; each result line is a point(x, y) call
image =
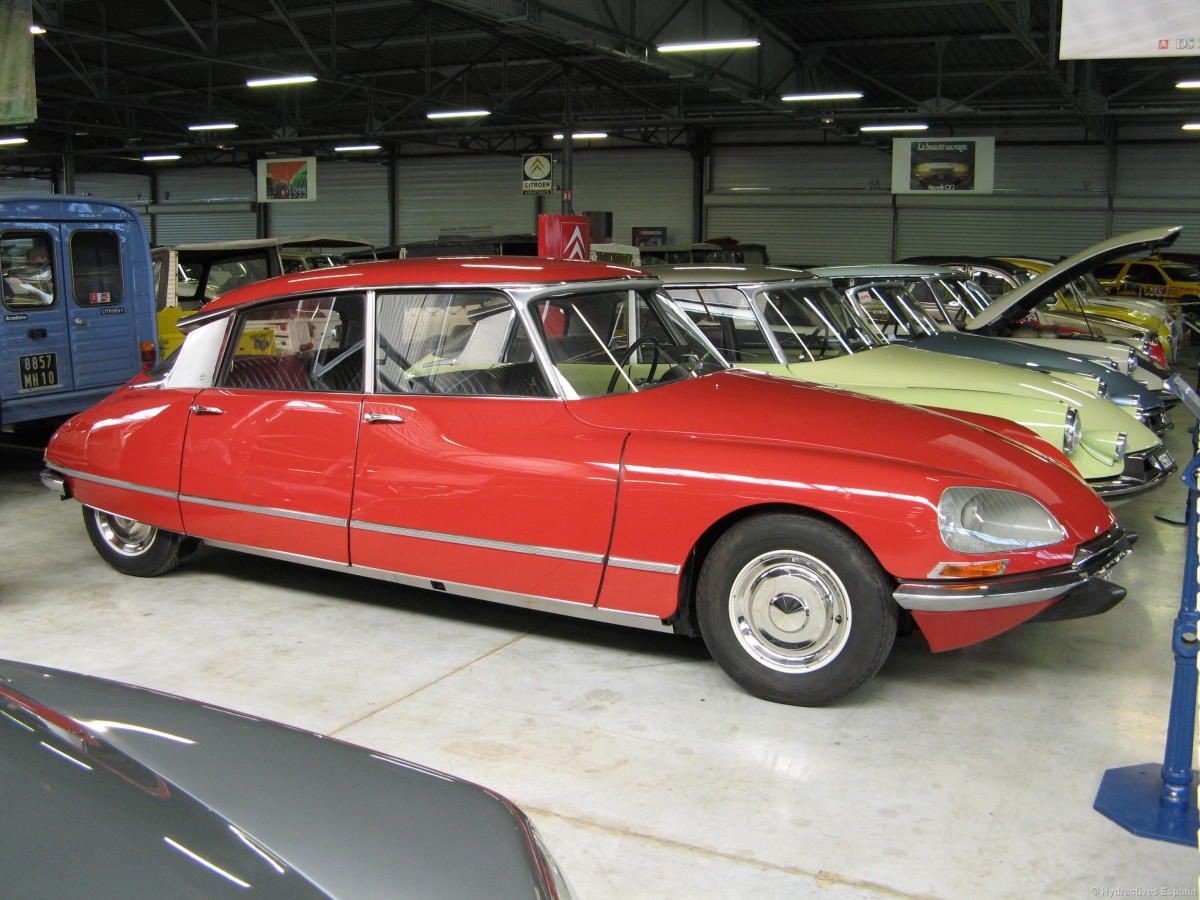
point(789, 322)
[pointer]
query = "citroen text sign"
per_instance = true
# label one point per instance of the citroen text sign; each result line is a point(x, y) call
point(564, 237)
point(537, 174)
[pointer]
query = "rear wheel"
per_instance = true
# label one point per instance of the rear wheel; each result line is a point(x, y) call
point(795, 610)
point(130, 546)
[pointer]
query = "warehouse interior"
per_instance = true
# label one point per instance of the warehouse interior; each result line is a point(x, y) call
point(647, 770)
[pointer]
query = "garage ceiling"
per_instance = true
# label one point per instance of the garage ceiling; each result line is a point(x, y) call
point(119, 79)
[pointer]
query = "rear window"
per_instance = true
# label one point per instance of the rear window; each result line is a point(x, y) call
point(26, 270)
point(96, 268)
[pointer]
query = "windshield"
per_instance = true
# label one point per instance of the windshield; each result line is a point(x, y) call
point(619, 341)
point(1181, 272)
point(894, 310)
point(785, 324)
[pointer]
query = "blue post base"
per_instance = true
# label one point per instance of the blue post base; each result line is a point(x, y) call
point(1131, 797)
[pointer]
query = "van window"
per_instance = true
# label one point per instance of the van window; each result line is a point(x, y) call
point(26, 269)
point(96, 268)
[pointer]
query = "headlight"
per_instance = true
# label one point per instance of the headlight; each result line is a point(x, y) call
point(989, 520)
point(1071, 431)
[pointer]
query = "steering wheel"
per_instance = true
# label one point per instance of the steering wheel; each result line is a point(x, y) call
point(628, 355)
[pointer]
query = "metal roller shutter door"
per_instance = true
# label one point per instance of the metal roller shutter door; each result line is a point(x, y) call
point(988, 230)
point(222, 188)
point(809, 235)
point(462, 194)
point(16, 187)
point(639, 187)
point(799, 168)
point(352, 198)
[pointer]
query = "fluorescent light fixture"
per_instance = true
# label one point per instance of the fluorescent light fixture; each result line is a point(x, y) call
point(912, 127)
point(280, 80)
point(832, 95)
point(36, 29)
point(11, 141)
point(1192, 126)
point(350, 148)
point(702, 46)
point(584, 136)
point(458, 114)
point(213, 126)
point(1190, 83)
point(160, 157)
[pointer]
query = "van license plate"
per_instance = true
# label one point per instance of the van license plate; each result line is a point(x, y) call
point(38, 371)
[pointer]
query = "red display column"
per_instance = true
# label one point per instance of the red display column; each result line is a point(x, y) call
point(564, 237)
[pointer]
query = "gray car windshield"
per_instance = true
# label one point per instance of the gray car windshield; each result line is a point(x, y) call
point(621, 341)
point(785, 324)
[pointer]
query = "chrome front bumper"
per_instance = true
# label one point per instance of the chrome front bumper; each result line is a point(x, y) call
point(1144, 471)
point(55, 483)
point(1092, 560)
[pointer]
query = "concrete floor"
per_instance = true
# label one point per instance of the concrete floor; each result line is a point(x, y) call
point(965, 774)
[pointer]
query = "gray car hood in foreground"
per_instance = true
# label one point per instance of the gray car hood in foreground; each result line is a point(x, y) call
point(1020, 300)
point(114, 791)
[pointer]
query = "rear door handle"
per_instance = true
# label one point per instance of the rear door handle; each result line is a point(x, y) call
point(207, 410)
point(383, 419)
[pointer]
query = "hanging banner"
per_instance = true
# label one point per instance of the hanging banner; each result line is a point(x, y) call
point(18, 96)
point(1116, 29)
point(962, 165)
point(281, 180)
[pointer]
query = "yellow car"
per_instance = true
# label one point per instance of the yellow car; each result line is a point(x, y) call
point(1073, 298)
point(1175, 282)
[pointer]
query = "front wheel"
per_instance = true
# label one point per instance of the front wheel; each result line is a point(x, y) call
point(795, 609)
point(132, 547)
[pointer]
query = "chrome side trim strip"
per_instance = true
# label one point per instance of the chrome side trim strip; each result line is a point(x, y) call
point(642, 565)
point(491, 595)
point(485, 543)
point(265, 511)
point(114, 482)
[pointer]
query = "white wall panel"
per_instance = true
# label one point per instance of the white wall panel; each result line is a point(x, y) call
point(190, 190)
point(16, 187)
point(1168, 171)
point(809, 234)
point(133, 189)
point(453, 194)
point(639, 187)
point(352, 198)
point(799, 169)
point(998, 225)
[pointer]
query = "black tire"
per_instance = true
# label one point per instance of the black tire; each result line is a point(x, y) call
point(795, 610)
point(132, 547)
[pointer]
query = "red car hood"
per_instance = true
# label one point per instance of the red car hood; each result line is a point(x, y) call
point(741, 405)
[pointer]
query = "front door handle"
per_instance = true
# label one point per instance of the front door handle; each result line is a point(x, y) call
point(81, 321)
point(207, 410)
point(383, 419)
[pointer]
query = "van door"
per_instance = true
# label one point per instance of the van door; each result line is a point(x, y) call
point(102, 315)
point(35, 349)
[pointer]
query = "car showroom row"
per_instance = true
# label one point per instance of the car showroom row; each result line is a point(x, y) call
point(421, 421)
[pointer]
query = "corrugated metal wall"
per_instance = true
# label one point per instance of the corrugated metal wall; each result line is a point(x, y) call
point(639, 187)
point(352, 198)
point(823, 204)
point(466, 194)
point(210, 205)
point(834, 204)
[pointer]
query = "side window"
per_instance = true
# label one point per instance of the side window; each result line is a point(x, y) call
point(96, 268)
point(312, 344)
point(454, 343)
point(26, 270)
point(1142, 273)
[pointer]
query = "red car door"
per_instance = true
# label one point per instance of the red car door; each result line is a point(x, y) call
point(470, 472)
point(268, 459)
point(508, 494)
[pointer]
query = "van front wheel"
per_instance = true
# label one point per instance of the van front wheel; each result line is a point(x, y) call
point(132, 547)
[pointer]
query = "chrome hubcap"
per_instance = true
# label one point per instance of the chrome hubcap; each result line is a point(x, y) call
point(790, 611)
point(128, 537)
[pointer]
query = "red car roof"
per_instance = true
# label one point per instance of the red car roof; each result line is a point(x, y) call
point(471, 270)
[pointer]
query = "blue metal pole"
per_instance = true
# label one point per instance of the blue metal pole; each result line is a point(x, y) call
point(1160, 801)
